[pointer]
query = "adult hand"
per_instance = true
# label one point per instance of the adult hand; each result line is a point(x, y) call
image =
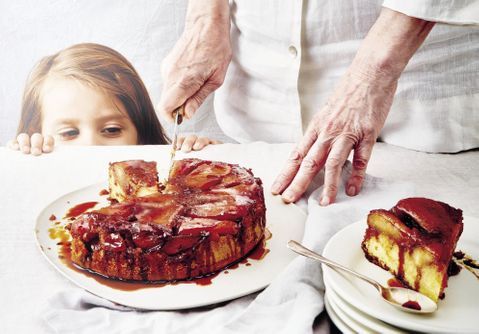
point(36, 144)
point(355, 113)
point(197, 65)
point(351, 120)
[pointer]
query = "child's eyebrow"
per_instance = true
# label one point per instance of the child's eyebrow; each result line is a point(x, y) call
point(117, 117)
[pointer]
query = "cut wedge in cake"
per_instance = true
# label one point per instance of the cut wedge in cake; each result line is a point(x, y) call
point(415, 241)
point(132, 179)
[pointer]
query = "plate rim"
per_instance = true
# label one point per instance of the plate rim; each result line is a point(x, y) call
point(333, 297)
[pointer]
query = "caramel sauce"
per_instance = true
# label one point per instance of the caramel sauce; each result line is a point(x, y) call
point(259, 252)
point(395, 283)
point(104, 192)
point(467, 262)
point(58, 232)
point(52, 218)
point(79, 209)
point(412, 305)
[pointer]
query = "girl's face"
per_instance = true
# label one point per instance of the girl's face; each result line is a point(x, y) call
point(77, 114)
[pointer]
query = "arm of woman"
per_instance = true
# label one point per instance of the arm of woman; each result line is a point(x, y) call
point(356, 111)
point(197, 65)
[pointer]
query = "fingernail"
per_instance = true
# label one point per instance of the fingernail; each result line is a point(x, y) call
point(36, 151)
point(324, 201)
point(25, 149)
point(47, 148)
point(351, 190)
point(288, 196)
point(275, 188)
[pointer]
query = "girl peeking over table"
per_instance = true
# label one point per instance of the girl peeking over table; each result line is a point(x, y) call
point(89, 94)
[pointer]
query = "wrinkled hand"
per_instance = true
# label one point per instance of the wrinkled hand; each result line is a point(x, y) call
point(196, 66)
point(194, 143)
point(351, 120)
point(36, 145)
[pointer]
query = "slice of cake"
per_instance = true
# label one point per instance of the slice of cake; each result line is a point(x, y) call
point(132, 179)
point(415, 241)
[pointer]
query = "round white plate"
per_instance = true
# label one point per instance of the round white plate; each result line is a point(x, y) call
point(285, 222)
point(342, 326)
point(457, 313)
point(359, 321)
point(351, 323)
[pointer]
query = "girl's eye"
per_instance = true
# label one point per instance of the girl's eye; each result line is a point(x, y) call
point(112, 131)
point(68, 134)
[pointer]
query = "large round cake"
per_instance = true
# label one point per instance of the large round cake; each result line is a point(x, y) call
point(208, 215)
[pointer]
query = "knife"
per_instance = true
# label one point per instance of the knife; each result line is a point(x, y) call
point(178, 116)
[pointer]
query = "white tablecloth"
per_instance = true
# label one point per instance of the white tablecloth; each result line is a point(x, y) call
point(30, 183)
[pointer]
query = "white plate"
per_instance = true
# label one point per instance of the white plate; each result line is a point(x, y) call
point(457, 312)
point(351, 323)
point(285, 222)
point(359, 321)
point(342, 326)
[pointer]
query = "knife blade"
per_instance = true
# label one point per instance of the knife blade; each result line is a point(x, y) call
point(178, 116)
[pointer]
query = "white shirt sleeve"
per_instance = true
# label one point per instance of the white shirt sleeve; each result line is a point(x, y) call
point(445, 11)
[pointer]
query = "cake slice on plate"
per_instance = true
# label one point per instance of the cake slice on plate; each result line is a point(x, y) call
point(415, 241)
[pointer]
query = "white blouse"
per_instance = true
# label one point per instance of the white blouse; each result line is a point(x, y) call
point(289, 54)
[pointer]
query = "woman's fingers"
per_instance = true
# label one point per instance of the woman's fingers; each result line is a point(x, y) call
point(24, 142)
point(310, 166)
point(332, 169)
point(362, 154)
point(197, 99)
point(294, 161)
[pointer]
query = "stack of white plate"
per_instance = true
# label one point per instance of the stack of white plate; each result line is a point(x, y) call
point(356, 307)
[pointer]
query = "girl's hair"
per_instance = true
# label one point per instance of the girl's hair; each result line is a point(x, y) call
point(100, 67)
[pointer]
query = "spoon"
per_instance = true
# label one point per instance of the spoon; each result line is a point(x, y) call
point(405, 299)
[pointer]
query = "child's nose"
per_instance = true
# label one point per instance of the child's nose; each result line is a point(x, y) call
point(89, 138)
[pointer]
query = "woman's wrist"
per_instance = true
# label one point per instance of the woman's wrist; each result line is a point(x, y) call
point(388, 46)
point(207, 12)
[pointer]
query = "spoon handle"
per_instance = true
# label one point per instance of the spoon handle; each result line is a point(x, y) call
point(300, 249)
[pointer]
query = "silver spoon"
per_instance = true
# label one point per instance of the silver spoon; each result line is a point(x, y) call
point(405, 299)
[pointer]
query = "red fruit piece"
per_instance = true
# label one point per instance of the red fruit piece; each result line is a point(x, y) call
point(196, 226)
point(177, 244)
point(146, 240)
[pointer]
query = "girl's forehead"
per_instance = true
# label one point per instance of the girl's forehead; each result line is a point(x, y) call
point(71, 98)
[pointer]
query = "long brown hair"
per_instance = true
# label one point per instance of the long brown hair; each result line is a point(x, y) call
point(101, 67)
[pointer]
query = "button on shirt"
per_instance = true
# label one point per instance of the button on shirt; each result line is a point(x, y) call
point(288, 55)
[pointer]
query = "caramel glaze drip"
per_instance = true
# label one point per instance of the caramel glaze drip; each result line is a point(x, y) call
point(64, 253)
point(461, 259)
point(79, 209)
point(412, 305)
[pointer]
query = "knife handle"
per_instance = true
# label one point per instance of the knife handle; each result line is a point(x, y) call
point(180, 111)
